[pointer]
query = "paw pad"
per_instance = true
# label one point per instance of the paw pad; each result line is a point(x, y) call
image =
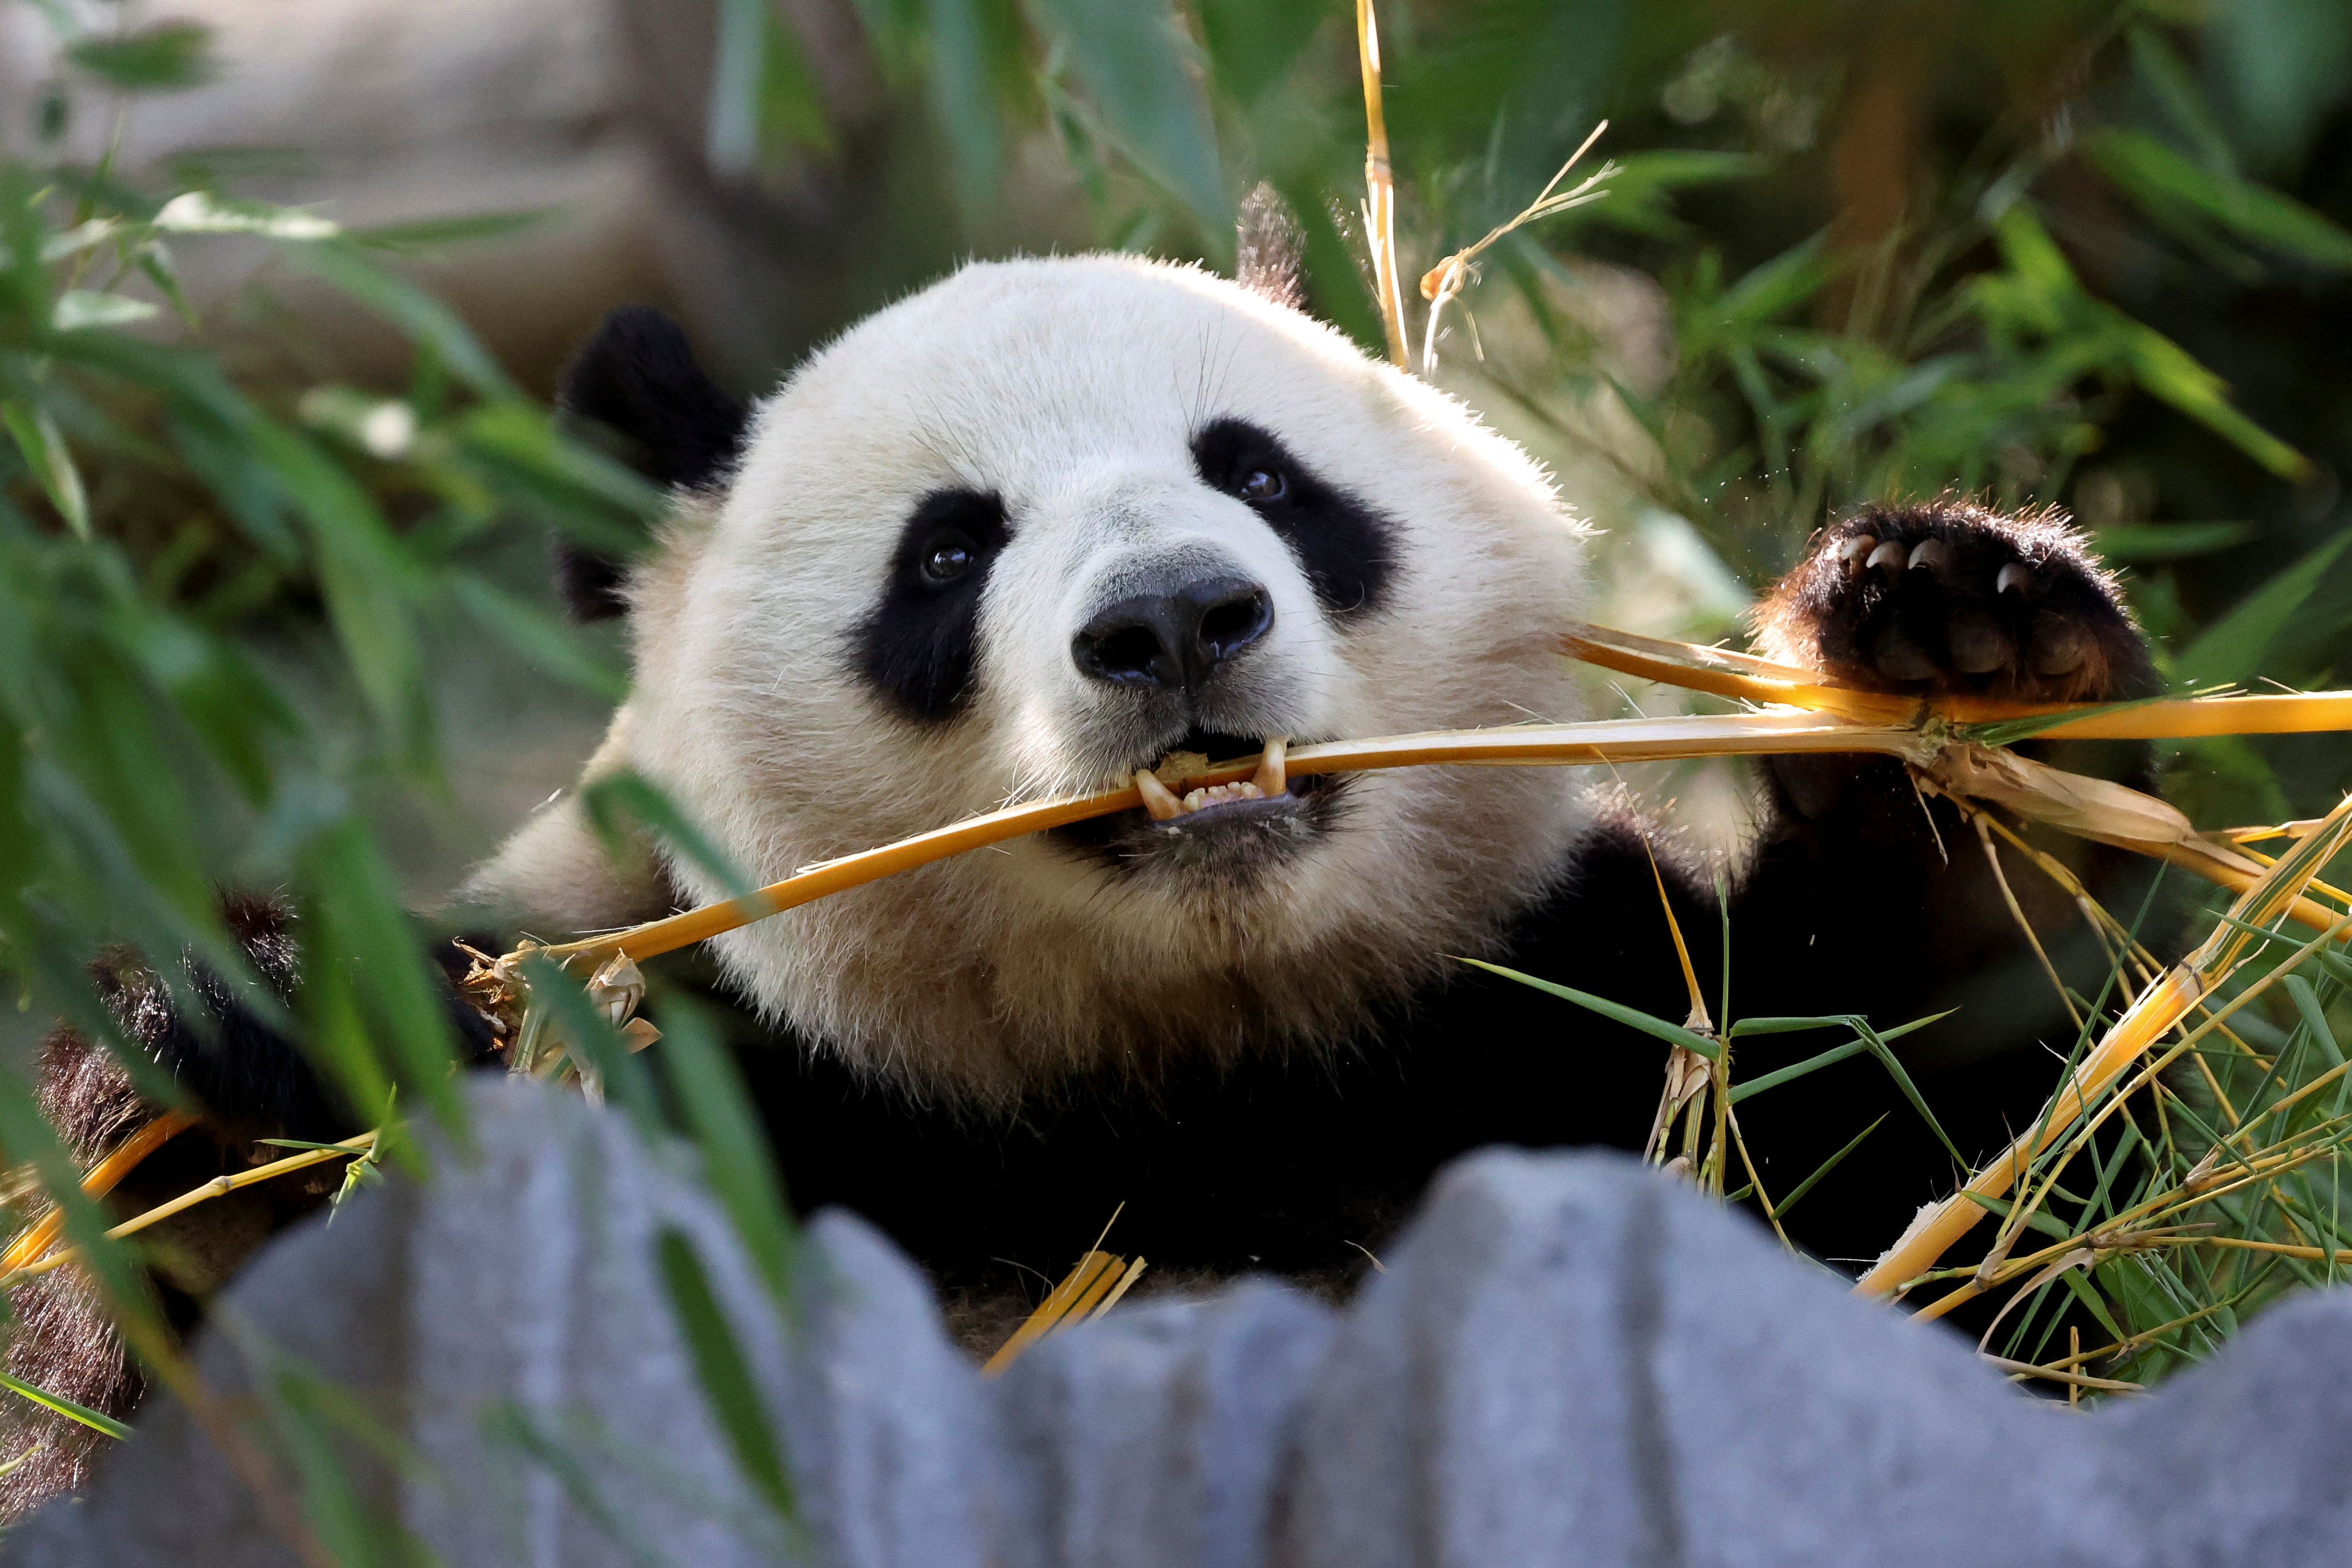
point(1947, 596)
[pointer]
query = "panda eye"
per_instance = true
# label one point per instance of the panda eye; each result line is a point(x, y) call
point(945, 560)
point(1261, 485)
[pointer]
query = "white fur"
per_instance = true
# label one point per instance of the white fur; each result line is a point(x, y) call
point(1072, 387)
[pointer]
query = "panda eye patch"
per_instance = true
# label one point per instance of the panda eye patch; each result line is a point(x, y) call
point(1341, 542)
point(918, 647)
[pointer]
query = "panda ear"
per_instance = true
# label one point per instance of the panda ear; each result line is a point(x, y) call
point(1267, 260)
point(638, 378)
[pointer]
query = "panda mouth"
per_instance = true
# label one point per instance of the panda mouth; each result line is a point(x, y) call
point(1269, 816)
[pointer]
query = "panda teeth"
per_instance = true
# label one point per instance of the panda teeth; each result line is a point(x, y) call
point(1270, 779)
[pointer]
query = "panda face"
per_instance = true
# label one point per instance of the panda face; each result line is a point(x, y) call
point(1041, 526)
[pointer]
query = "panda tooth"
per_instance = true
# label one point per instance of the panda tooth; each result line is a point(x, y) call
point(1270, 778)
point(1158, 798)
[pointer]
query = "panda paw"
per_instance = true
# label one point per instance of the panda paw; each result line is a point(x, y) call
point(1947, 597)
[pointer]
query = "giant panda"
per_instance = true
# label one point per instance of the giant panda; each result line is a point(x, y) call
point(1048, 521)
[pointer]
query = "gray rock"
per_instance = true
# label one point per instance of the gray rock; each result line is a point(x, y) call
point(1156, 1438)
point(2247, 1458)
point(510, 1326)
point(1569, 1360)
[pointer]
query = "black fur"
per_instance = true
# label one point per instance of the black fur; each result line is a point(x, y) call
point(1342, 543)
point(918, 647)
point(637, 378)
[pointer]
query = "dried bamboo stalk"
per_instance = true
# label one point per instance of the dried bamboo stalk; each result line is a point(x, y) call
point(2152, 1015)
point(100, 1179)
point(1726, 673)
point(1524, 746)
point(219, 1186)
point(1083, 1287)
point(1379, 188)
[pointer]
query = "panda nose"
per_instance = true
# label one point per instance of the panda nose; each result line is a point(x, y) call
point(1173, 639)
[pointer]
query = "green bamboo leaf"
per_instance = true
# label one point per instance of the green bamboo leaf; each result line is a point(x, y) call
point(1781, 1208)
point(553, 644)
point(2314, 1016)
point(1130, 56)
point(384, 1020)
point(962, 47)
point(2167, 369)
point(618, 798)
point(206, 213)
point(1829, 1058)
point(1252, 45)
point(736, 1160)
point(2230, 650)
point(2048, 1223)
point(45, 450)
point(727, 1385)
point(2159, 178)
point(2177, 92)
point(1672, 1034)
point(77, 309)
point(166, 56)
point(2167, 541)
point(97, 1421)
point(417, 313)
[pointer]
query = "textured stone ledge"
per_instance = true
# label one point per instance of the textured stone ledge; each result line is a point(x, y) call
point(1567, 1361)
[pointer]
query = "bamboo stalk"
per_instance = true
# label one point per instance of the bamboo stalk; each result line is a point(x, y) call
point(1723, 672)
point(1525, 745)
point(219, 1186)
point(2149, 1017)
point(1379, 188)
point(101, 1179)
point(1095, 1275)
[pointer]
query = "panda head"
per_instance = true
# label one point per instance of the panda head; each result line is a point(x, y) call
point(1026, 532)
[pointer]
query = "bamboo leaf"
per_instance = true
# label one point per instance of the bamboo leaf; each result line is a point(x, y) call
point(1780, 1209)
point(738, 1163)
point(1129, 54)
point(2232, 649)
point(97, 1421)
point(1672, 1034)
point(166, 56)
point(2159, 177)
point(52, 464)
point(727, 1387)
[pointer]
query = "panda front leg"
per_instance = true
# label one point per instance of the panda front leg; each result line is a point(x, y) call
point(1863, 895)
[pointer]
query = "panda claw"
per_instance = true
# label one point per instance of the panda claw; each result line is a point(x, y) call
point(2013, 577)
point(1932, 555)
point(1889, 556)
point(1856, 550)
